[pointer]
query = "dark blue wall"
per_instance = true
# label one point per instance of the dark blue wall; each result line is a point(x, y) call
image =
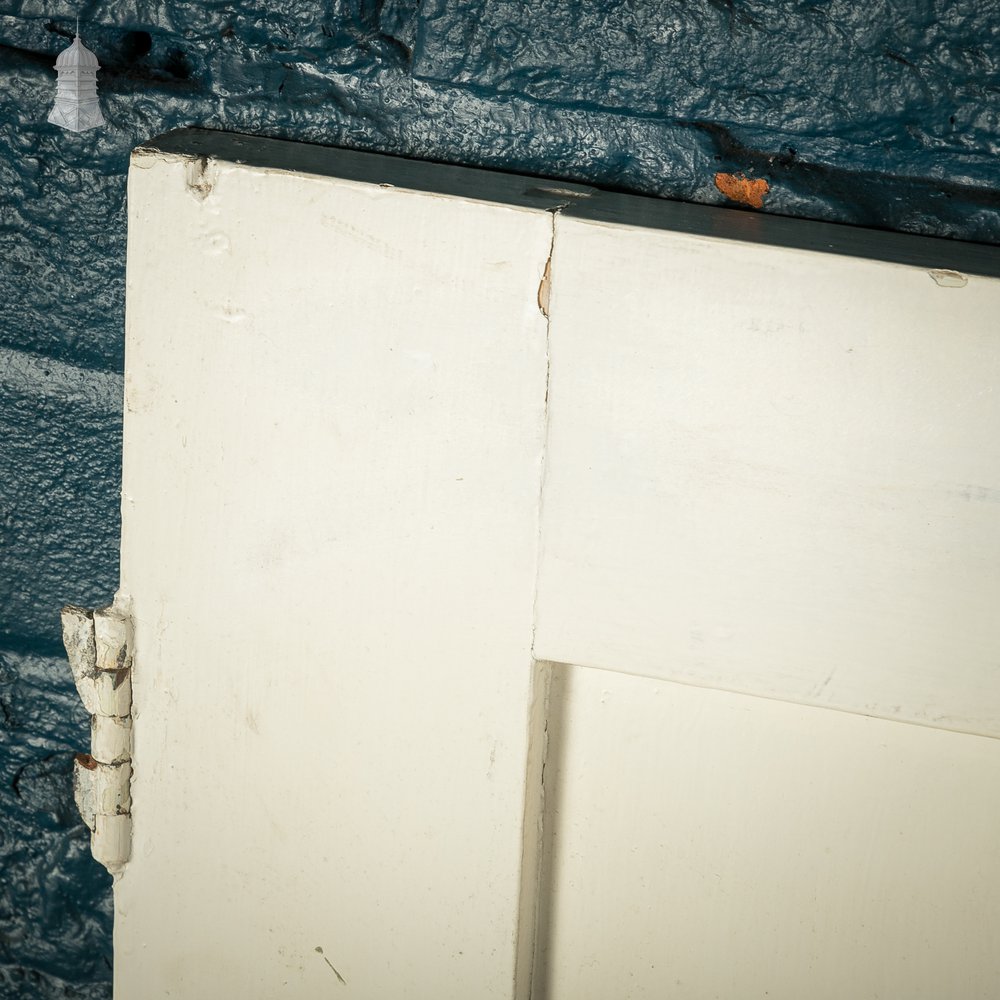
point(884, 113)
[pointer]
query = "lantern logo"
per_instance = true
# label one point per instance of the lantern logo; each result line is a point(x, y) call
point(77, 107)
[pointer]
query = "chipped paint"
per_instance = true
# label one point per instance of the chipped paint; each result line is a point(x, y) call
point(99, 647)
point(949, 279)
point(198, 178)
point(544, 287)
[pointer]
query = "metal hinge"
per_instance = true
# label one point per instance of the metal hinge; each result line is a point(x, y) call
point(99, 647)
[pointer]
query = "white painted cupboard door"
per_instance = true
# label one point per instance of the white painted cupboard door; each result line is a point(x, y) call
point(545, 593)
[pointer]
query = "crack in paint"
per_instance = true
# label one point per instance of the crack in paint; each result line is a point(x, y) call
point(532, 837)
point(544, 302)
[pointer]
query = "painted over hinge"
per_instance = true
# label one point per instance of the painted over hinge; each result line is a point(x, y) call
point(99, 646)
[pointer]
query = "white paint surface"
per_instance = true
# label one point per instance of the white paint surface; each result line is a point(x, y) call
point(766, 469)
point(774, 471)
point(709, 844)
point(333, 443)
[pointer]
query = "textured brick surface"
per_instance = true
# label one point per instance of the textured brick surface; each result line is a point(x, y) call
point(55, 902)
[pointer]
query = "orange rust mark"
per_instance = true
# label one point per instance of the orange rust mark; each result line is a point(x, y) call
point(746, 190)
point(85, 760)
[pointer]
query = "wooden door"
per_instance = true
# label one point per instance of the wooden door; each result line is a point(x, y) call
point(545, 593)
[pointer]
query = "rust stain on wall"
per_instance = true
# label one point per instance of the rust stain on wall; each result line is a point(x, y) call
point(745, 190)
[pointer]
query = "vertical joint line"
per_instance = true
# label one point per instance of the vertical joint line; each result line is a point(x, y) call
point(544, 300)
point(534, 798)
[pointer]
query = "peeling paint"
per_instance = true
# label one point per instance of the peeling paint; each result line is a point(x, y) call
point(949, 279)
point(101, 788)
